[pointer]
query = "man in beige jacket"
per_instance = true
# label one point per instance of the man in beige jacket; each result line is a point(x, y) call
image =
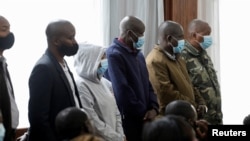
point(167, 71)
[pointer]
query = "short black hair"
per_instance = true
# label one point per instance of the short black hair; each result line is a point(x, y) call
point(181, 108)
point(246, 120)
point(71, 122)
point(170, 127)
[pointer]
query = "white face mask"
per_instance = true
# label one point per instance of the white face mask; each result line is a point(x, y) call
point(2, 132)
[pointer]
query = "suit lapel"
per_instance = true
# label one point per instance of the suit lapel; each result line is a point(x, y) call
point(62, 75)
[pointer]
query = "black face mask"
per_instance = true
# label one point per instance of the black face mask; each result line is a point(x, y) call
point(69, 50)
point(7, 42)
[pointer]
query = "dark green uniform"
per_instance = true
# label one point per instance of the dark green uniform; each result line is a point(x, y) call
point(204, 78)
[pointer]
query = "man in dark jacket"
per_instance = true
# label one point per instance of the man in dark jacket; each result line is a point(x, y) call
point(129, 76)
point(51, 84)
point(8, 107)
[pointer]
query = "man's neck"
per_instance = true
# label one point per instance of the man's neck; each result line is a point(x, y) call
point(58, 56)
point(128, 44)
point(168, 49)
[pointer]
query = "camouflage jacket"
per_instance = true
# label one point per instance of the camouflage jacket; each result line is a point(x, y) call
point(204, 78)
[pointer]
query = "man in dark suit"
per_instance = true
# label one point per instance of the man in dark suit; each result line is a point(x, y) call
point(8, 106)
point(51, 83)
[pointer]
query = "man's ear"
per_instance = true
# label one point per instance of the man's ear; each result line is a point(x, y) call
point(191, 122)
point(132, 35)
point(193, 35)
point(129, 33)
point(172, 40)
point(56, 41)
point(168, 38)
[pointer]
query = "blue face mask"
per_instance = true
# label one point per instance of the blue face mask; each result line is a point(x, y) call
point(179, 47)
point(139, 43)
point(207, 42)
point(2, 132)
point(103, 68)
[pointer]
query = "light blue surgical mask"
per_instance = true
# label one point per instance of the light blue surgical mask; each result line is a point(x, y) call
point(2, 132)
point(207, 42)
point(139, 43)
point(103, 68)
point(179, 47)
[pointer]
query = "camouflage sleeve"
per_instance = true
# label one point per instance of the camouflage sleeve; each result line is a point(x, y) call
point(184, 55)
point(198, 98)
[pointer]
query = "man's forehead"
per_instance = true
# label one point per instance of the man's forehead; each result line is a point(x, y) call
point(69, 31)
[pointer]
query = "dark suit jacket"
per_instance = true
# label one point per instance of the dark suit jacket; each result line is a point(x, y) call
point(50, 92)
point(5, 102)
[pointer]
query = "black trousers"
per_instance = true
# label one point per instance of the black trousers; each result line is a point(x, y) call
point(133, 129)
point(10, 135)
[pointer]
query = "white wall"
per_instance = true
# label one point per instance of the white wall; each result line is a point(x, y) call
point(28, 19)
point(234, 54)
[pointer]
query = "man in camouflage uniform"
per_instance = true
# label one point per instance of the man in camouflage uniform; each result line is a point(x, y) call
point(201, 69)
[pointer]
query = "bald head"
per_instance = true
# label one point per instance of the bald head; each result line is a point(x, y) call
point(171, 28)
point(131, 23)
point(59, 28)
point(198, 26)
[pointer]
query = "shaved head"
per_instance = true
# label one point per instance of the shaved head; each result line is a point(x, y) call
point(198, 26)
point(170, 28)
point(58, 28)
point(131, 23)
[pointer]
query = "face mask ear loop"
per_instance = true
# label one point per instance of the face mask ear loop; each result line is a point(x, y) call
point(135, 35)
point(130, 36)
point(170, 38)
point(198, 34)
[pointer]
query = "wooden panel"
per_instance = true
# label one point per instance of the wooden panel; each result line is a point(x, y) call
point(167, 9)
point(181, 11)
point(20, 132)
